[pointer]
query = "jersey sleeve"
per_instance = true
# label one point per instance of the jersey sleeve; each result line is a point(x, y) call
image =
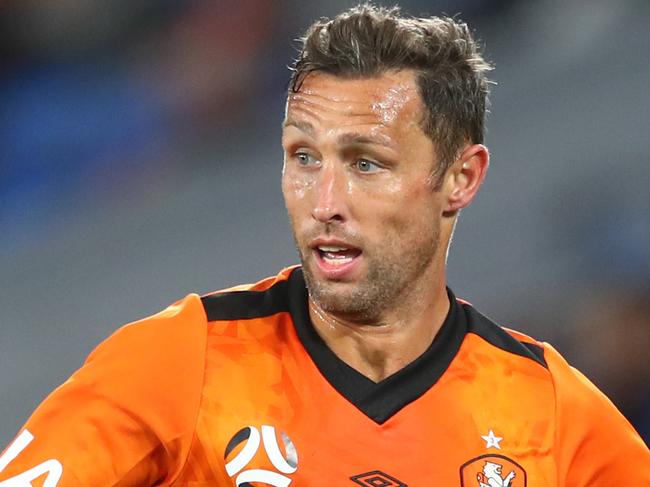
point(596, 446)
point(126, 417)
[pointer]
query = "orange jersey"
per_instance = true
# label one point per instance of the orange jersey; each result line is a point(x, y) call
point(237, 389)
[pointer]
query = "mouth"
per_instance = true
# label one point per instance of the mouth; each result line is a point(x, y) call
point(336, 255)
point(336, 260)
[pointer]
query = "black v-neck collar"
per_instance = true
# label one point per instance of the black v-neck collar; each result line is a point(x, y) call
point(382, 400)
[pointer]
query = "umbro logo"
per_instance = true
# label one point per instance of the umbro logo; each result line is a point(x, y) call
point(377, 478)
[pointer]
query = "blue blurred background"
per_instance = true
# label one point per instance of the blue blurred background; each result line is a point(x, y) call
point(140, 160)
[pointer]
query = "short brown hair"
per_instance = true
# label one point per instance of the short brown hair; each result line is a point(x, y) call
point(366, 41)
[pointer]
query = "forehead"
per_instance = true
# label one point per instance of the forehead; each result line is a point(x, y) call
point(387, 99)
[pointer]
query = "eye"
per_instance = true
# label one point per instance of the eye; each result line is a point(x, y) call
point(364, 165)
point(304, 159)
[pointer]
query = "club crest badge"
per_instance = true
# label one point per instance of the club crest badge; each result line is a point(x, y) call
point(492, 471)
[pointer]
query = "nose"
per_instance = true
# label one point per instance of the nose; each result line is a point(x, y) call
point(331, 203)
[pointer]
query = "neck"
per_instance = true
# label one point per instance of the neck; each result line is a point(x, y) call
point(399, 336)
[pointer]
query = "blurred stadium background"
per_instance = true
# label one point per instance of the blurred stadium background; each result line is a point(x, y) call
point(140, 160)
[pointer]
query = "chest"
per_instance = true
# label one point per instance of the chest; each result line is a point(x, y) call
point(275, 420)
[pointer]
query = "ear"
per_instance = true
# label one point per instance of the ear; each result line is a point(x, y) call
point(465, 176)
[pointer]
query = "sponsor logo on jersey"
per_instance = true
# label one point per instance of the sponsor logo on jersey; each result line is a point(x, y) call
point(492, 471)
point(52, 467)
point(245, 470)
point(377, 478)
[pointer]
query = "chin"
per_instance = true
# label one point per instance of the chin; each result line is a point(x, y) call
point(343, 300)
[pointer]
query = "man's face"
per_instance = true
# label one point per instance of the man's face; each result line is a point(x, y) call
point(358, 190)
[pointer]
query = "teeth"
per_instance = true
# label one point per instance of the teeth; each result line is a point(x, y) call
point(330, 248)
point(336, 259)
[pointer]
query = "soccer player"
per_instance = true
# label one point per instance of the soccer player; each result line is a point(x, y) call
point(360, 367)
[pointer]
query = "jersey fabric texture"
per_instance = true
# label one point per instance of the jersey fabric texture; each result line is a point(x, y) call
point(237, 388)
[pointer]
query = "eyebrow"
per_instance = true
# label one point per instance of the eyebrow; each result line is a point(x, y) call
point(346, 138)
point(302, 126)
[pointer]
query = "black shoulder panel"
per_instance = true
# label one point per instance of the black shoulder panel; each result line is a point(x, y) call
point(537, 351)
point(492, 333)
point(244, 305)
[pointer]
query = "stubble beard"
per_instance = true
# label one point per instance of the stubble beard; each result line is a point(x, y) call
point(388, 284)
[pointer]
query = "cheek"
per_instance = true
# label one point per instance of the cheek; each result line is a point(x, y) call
point(380, 196)
point(296, 192)
point(296, 184)
point(412, 211)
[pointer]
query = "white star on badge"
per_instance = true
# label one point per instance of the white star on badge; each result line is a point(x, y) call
point(491, 440)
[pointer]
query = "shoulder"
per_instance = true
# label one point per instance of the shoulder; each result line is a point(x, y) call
point(173, 331)
point(180, 330)
point(136, 395)
point(156, 360)
point(594, 443)
point(129, 414)
point(512, 342)
point(568, 383)
point(252, 319)
point(172, 343)
point(249, 301)
point(517, 351)
point(570, 386)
